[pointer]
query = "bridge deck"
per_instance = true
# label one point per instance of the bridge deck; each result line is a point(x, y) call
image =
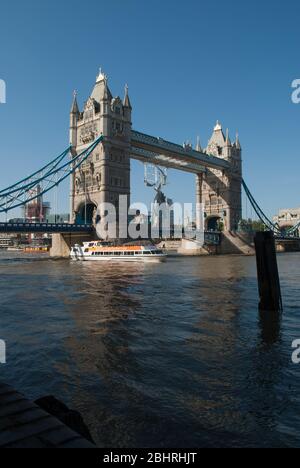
point(45, 228)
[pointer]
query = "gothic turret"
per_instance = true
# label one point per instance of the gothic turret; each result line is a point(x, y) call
point(101, 90)
point(217, 137)
point(74, 114)
point(127, 109)
point(227, 142)
point(237, 142)
point(102, 96)
point(74, 108)
point(126, 102)
point(198, 145)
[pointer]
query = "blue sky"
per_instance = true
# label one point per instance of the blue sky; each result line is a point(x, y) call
point(187, 64)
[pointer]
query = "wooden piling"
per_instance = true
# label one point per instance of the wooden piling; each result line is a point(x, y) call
point(267, 272)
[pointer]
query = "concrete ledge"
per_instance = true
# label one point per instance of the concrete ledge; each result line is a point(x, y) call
point(62, 243)
point(191, 248)
point(24, 425)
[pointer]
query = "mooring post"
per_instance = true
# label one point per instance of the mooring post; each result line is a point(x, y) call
point(267, 272)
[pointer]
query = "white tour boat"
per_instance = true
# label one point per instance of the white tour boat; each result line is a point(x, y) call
point(106, 251)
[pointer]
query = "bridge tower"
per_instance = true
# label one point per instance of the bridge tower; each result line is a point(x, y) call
point(222, 190)
point(106, 174)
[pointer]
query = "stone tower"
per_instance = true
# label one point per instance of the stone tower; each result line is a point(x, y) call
point(222, 191)
point(106, 174)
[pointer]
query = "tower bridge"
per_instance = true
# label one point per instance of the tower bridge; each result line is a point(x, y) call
point(106, 176)
point(102, 144)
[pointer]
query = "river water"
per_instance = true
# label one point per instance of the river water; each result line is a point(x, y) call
point(171, 355)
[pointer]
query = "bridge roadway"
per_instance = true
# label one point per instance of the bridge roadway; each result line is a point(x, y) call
point(49, 228)
point(213, 238)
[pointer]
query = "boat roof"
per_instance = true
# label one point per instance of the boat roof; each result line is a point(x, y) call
point(117, 248)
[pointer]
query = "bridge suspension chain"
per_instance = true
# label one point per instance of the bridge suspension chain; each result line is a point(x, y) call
point(46, 178)
point(261, 215)
point(293, 230)
point(30, 180)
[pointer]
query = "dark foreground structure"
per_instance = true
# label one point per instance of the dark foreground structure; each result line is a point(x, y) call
point(24, 424)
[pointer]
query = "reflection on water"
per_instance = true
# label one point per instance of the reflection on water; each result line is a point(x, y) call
point(166, 355)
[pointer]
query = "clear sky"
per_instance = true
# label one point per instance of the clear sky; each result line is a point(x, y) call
point(187, 64)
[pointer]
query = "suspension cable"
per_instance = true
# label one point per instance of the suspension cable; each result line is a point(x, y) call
point(52, 165)
point(261, 215)
point(20, 195)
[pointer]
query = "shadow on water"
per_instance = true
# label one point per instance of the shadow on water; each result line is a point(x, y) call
point(270, 326)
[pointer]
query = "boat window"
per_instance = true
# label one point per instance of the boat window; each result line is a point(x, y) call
point(146, 252)
point(86, 250)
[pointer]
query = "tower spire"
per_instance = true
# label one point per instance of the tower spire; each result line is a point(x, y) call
point(228, 142)
point(237, 141)
point(74, 108)
point(106, 92)
point(218, 127)
point(126, 102)
point(198, 145)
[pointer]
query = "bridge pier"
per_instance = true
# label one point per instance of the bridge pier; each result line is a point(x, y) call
point(287, 245)
point(62, 243)
point(199, 214)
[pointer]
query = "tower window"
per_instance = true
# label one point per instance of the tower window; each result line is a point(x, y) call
point(118, 110)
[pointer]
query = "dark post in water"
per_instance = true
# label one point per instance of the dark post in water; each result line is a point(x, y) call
point(267, 272)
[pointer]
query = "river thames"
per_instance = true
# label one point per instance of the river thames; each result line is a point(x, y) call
point(170, 355)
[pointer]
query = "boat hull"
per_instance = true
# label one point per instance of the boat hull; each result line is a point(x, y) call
point(152, 259)
point(98, 251)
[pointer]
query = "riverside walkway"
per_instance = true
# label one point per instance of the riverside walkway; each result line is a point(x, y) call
point(23, 424)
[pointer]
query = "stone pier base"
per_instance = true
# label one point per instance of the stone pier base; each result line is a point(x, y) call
point(62, 243)
point(191, 248)
point(235, 243)
point(289, 245)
